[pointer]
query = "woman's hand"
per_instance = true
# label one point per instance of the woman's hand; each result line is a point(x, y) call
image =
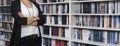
point(33, 24)
point(34, 19)
point(30, 20)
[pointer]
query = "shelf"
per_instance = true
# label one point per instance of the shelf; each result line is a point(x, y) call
point(56, 25)
point(54, 3)
point(4, 39)
point(55, 37)
point(94, 14)
point(4, 5)
point(55, 14)
point(5, 13)
point(95, 43)
point(6, 22)
point(74, 6)
point(82, 1)
point(5, 30)
point(98, 28)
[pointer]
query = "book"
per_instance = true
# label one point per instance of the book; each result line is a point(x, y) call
point(118, 7)
point(93, 7)
point(48, 19)
point(60, 9)
point(87, 7)
point(52, 20)
point(66, 7)
point(46, 42)
point(63, 8)
point(111, 7)
point(77, 20)
point(106, 22)
point(85, 35)
point(64, 20)
point(74, 20)
point(76, 8)
point(55, 31)
point(60, 32)
point(53, 0)
point(8, 2)
point(80, 21)
point(114, 21)
point(55, 19)
point(105, 37)
point(66, 32)
point(54, 10)
point(102, 7)
point(44, 1)
point(63, 43)
point(53, 43)
point(63, 32)
point(100, 36)
point(76, 44)
point(60, 19)
point(46, 30)
point(110, 21)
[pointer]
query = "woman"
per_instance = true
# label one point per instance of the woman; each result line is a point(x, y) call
point(27, 18)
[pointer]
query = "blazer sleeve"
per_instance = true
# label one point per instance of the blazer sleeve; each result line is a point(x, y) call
point(42, 19)
point(15, 8)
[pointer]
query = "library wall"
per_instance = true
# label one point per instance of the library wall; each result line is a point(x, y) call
point(5, 22)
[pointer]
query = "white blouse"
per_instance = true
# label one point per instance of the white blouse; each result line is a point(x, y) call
point(27, 30)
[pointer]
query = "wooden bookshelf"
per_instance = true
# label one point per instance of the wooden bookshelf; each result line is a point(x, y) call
point(6, 21)
point(89, 17)
point(1, 29)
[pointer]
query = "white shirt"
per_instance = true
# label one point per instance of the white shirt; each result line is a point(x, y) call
point(27, 30)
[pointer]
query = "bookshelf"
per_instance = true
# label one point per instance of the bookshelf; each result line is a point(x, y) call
point(81, 22)
point(6, 22)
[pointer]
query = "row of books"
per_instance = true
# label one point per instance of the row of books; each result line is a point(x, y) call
point(46, 30)
point(52, 42)
point(96, 7)
point(58, 8)
point(81, 44)
point(95, 0)
point(7, 26)
point(97, 36)
point(5, 9)
point(77, 33)
point(5, 36)
point(55, 42)
point(6, 18)
point(97, 21)
point(60, 32)
point(4, 24)
point(57, 19)
point(5, 2)
point(49, 1)
point(56, 31)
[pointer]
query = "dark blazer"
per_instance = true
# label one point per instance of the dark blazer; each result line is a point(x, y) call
point(18, 21)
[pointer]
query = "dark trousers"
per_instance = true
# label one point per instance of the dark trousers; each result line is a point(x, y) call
point(30, 41)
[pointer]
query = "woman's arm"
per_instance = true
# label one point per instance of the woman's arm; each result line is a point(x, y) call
point(30, 20)
point(14, 10)
point(19, 19)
